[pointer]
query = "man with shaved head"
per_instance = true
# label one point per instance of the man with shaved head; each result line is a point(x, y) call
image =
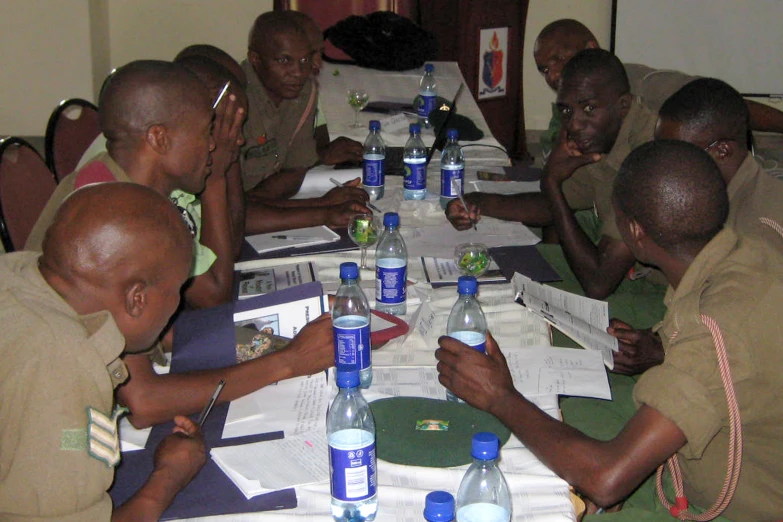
point(603, 123)
point(218, 56)
point(279, 142)
point(713, 405)
point(107, 283)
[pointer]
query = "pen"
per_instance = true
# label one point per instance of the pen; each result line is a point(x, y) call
point(462, 200)
point(210, 403)
point(338, 184)
point(222, 93)
point(293, 238)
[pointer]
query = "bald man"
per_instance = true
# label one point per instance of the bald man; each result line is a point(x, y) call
point(279, 141)
point(157, 118)
point(107, 283)
point(560, 40)
point(603, 123)
point(670, 202)
point(218, 56)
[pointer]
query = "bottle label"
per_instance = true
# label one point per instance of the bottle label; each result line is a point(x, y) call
point(390, 278)
point(452, 178)
point(351, 341)
point(427, 104)
point(353, 464)
point(476, 340)
point(372, 170)
point(415, 174)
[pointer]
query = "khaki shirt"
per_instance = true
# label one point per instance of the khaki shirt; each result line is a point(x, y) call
point(654, 86)
point(739, 283)
point(591, 185)
point(58, 429)
point(270, 141)
point(754, 194)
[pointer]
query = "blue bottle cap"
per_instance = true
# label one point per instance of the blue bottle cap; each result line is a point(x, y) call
point(485, 446)
point(439, 506)
point(349, 270)
point(391, 219)
point(466, 285)
point(415, 128)
point(375, 125)
point(452, 134)
point(348, 376)
point(429, 67)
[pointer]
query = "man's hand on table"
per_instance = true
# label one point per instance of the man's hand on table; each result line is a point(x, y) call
point(181, 455)
point(312, 350)
point(481, 380)
point(640, 350)
point(339, 216)
point(459, 216)
point(342, 150)
point(350, 191)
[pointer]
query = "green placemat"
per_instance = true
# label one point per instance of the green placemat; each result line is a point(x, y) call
point(399, 441)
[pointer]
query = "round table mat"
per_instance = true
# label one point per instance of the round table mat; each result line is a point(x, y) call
point(399, 441)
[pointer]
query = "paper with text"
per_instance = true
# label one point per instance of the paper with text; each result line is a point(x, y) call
point(583, 319)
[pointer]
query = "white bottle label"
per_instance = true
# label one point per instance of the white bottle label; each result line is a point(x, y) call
point(415, 174)
point(476, 340)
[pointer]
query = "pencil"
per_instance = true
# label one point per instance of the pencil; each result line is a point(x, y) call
point(462, 200)
point(210, 403)
point(338, 184)
point(222, 93)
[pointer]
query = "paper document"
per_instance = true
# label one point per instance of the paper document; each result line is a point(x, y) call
point(263, 467)
point(317, 181)
point(271, 279)
point(440, 240)
point(295, 238)
point(558, 371)
point(293, 406)
point(583, 319)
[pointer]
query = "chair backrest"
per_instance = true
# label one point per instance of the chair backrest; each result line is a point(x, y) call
point(26, 184)
point(71, 129)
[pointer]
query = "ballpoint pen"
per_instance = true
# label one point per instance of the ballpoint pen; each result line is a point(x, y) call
point(222, 93)
point(338, 184)
point(462, 200)
point(210, 403)
point(294, 238)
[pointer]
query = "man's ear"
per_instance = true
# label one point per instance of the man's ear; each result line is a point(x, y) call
point(638, 234)
point(592, 44)
point(136, 299)
point(253, 57)
point(625, 103)
point(157, 137)
point(725, 149)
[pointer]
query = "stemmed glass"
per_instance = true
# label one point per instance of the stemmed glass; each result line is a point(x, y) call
point(364, 231)
point(357, 99)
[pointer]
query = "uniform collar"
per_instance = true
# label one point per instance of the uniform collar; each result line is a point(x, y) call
point(637, 128)
point(746, 172)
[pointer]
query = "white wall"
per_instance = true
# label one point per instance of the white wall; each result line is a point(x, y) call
point(595, 14)
point(161, 28)
point(46, 58)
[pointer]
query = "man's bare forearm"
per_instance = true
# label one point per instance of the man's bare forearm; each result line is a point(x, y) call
point(531, 209)
point(280, 185)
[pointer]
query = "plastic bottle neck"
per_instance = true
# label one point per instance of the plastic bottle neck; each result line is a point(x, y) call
point(348, 281)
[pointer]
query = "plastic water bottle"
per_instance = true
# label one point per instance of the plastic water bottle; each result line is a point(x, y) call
point(373, 173)
point(351, 325)
point(466, 321)
point(350, 430)
point(391, 268)
point(452, 169)
point(439, 507)
point(428, 91)
point(414, 156)
point(483, 493)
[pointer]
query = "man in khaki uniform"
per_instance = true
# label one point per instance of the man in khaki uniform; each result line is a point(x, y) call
point(712, 115)
point(279, 142)
point(603, 123)
point(671, 203)
point(107, 282)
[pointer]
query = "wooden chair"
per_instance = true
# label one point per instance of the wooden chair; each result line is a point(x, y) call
point(71, 129)
point(26, 184)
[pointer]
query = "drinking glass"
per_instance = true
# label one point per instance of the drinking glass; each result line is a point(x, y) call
point(364, 231)
point(357, 99)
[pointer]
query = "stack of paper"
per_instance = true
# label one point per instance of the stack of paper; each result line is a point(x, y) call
point(297, 238)
point(263, 467)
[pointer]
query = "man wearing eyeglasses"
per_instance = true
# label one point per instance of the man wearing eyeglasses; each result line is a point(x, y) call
point(279, 143)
